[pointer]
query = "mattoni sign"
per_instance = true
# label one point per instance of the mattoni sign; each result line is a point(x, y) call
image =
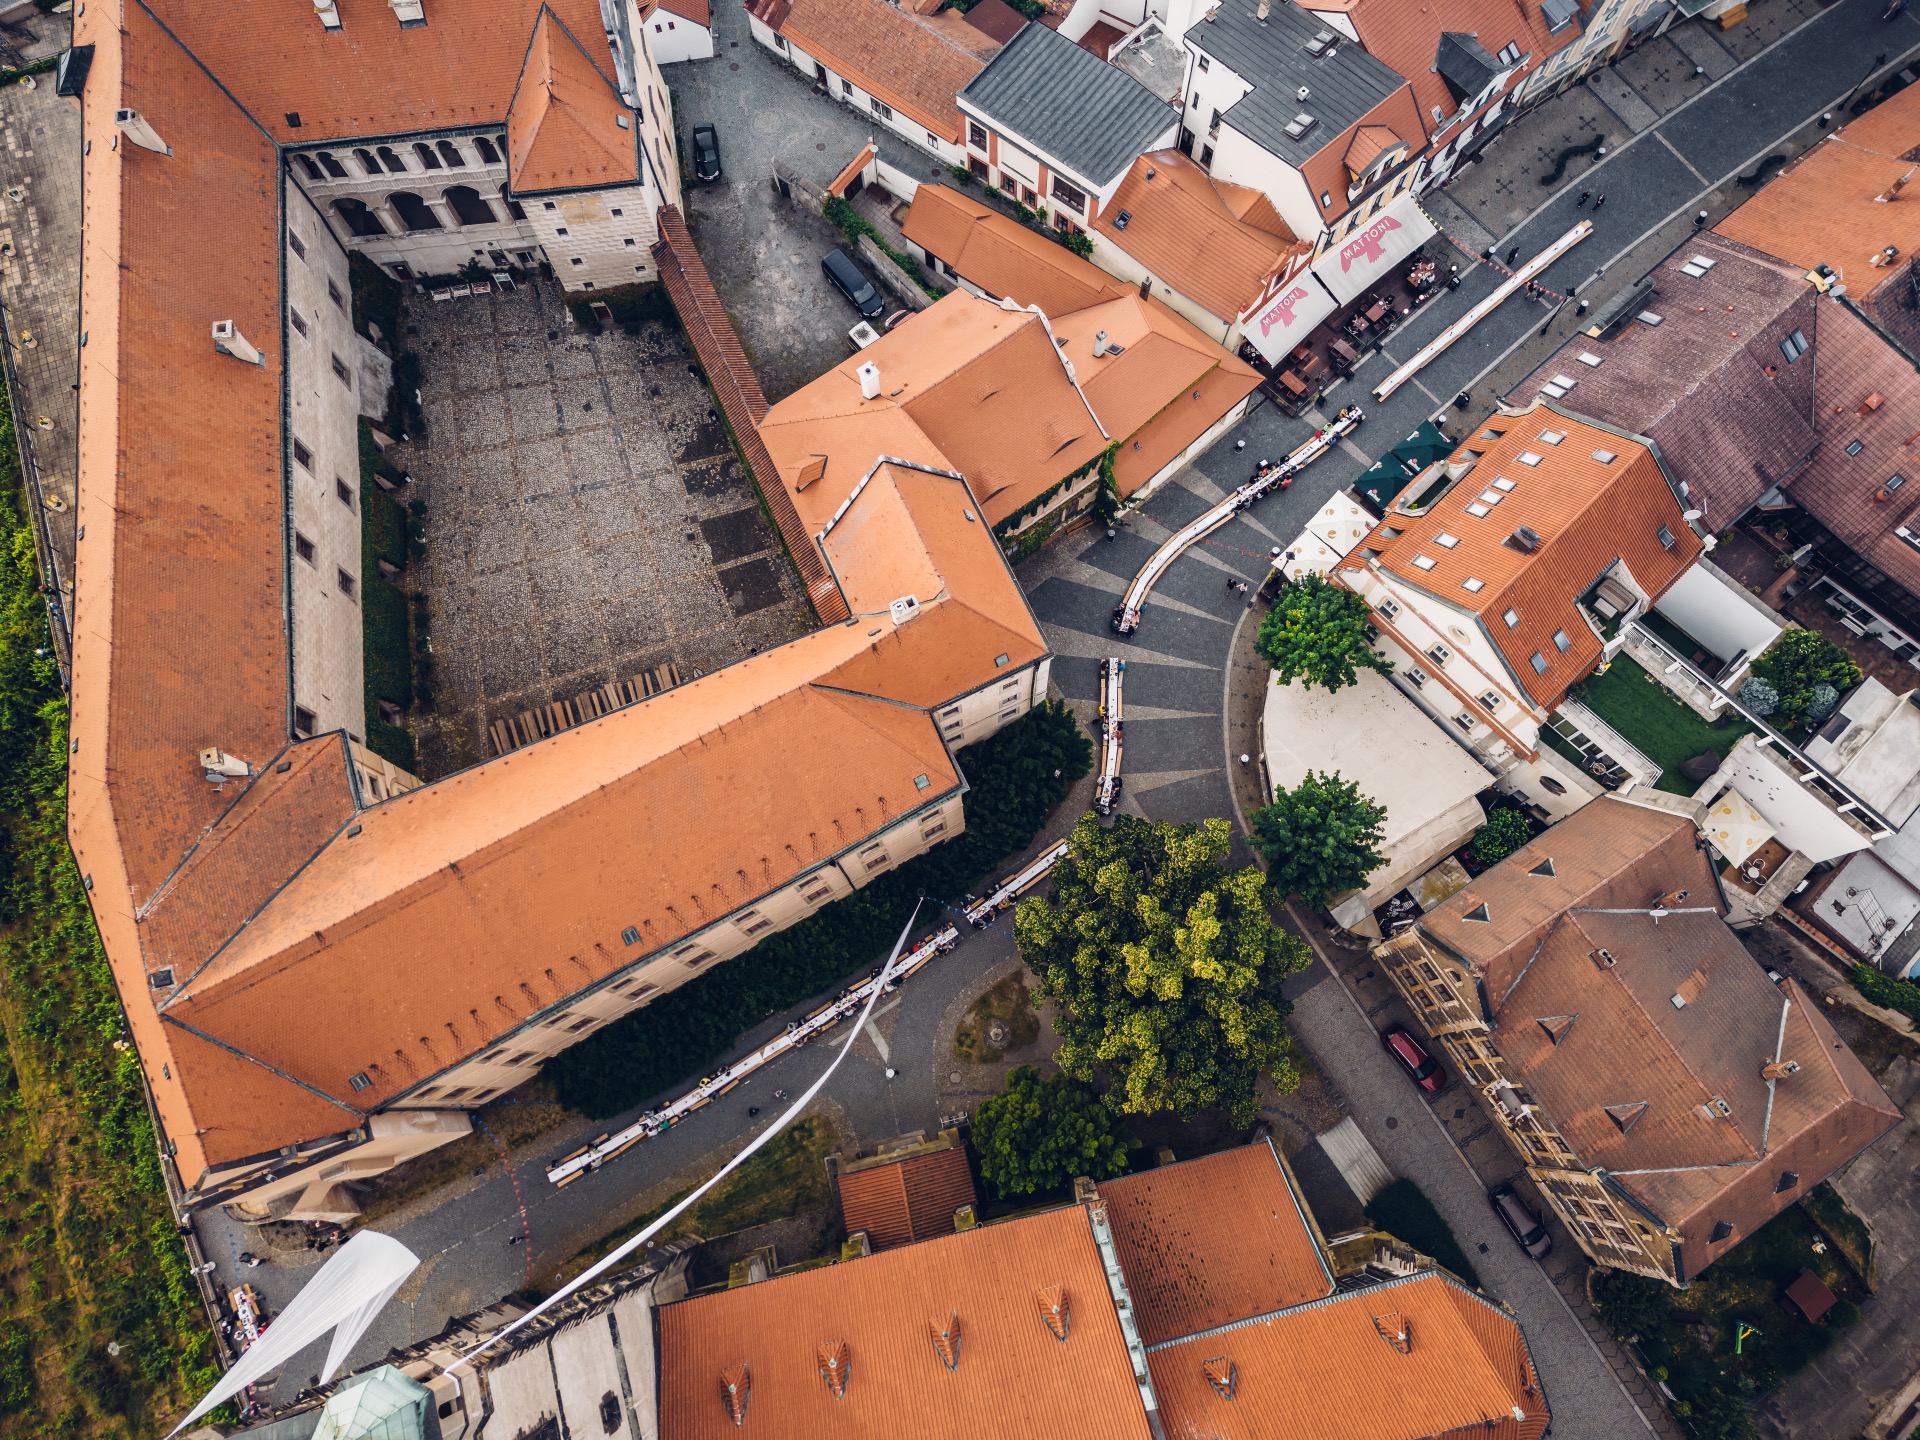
point(1280, 325)
point(1368, 255)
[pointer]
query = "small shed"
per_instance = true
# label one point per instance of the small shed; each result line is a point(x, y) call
point(1809, 1294)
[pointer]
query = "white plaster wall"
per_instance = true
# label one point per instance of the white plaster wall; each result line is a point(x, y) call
point(1238, 160)
point(597, 239)
point(322, 415)
point(1798, 813)
point(673, 38)
point(897, 122)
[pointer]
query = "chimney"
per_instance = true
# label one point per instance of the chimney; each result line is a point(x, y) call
point(220, 766)
point(1264, 9)
point(869, 374)
point(1099, 343)
point(228, 340)
point(1525, 539)
point(328, 13)
point(1669, 901)
point(1892, 192)
point(1779, 1069)
point(1302, 93)
point(135, 127)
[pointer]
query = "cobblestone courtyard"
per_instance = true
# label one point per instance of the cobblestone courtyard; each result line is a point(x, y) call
point(587, 518)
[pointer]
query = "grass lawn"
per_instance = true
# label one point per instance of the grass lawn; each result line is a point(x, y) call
point(1643, 711)
point(1006, 1002)
point(1688, 1337)
point(1404, 1212)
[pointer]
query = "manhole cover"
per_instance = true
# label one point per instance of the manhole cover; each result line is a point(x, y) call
point(953, 1077)
point(1392, 1124)
point(733, 65)
point(820, 146)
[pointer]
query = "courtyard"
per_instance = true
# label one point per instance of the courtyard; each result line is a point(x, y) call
point(586, 518)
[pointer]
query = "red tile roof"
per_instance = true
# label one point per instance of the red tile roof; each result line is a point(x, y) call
point(567, 127)
point(910, 1199)
point(1406, 38)
point(1002, 257)
point(1586, 512)
point(1012, 1376)
point(1213, 1240)
point(1217, 244)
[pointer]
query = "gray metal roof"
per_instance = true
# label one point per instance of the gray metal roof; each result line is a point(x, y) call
point(1074, 107)
point(1272, 56)
point(1463, 62)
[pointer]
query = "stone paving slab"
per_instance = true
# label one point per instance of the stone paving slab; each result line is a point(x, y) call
point(586, 517)
point(1503, 187)
point(1613, 91)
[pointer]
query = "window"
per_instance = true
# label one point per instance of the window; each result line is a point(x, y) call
point(616, 212)
point(1439, 654)
point(344, 491)
point(488, 155)
point(395, 165)
point(1794, 346)
point(345, 582)
point(630, 936)
point(1561, 642)
point(1203, 64)
point(976, 135)
point(1446, 541)
point(1424, 562)
point(303, 721)
point(1553, 437)
point(1029, 197)
point(1478, 511)
point(342, 373)
point(546, 205)
point(1605, 457)
point(450, 153)
point(1665, 537)
point(1008, 184)
point(1721, 1231)
point(559, 229)
point(1509, 54)
point(313, 170)
point(1491, 497)
point(756, 925)
point(1473, 586)
point(1529, 457)
point(1590, 360)
point(884, 111)
point(1502, 484)
point(303, 547)
point(1389, 609)
point(1416, 677)
point(302, 456)
point(359, 1081)
point(1854, 447)
point(1465, 722)
point(1070, 196)
point(299, 321)
point(576, 261)
point(428, 160)
point(935, 830)
point(1539, 663)
point(582, 1023)
point(333, 294)
point(780, 43)
point(298, 245)
point(332, 166)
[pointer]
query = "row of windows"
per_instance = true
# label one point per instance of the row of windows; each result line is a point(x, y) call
point(323, 165)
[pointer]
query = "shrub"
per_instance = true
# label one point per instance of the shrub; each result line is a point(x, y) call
point(1759, 697)
point(1017, 777)
point(1825, 697)
point(1798, 661)
point(1320, 838)
point(1077, 241)
point(1505, 832)
point(1844, 1315)
point(1883, 990)
point(1036, 1135)
point(1633, 1306)
point(376, 298)
point(962, 176)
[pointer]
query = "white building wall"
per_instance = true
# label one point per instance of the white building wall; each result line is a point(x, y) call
point(1239, 161)
point(673, 38)
point(597, 239)
point(323, 470)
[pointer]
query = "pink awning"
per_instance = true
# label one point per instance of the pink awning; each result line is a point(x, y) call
point(1289, 317)
point(1370, 253)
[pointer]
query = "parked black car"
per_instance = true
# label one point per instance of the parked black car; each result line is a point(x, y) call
point(706, 153)
point(851, 281)
point(1521, 1223)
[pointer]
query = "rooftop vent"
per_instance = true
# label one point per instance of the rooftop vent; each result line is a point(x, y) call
point(1300, 125)
point(1125, 217)
point(134, 126)
point(161, 979)
point(1627, 1115)
point(220, 766)
point(836, 1363)
point(1321, 43)
point(1556, 1026)
point(228, 340)
point(1525, 539)
point(328, 13)
point(869, 374)
point(903, 609)
point(736, 1388)
point(1604, 959)
point(1779, 1069)
point(1055, 1311)
point(1262, 10)
point(1397, 1330)
point(409, 12)
point(946, 1340)
point(1301, 94)
point(1721, 1108)
point(1222, 1375)
point(1099, 343)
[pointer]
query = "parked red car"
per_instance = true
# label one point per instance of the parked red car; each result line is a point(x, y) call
point(1414, 1059)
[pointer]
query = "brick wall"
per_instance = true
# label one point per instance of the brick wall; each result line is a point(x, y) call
point(737, 390)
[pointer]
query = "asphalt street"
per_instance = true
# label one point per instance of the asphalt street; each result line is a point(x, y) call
point(1176, 756)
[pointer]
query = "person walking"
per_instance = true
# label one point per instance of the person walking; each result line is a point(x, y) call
point(1513, 255)
point(1585, 195)
point(1598, 201)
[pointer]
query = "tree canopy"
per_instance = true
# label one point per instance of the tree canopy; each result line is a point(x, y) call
point(1317, 632)
point(1319, 838)
point(1166, 966)
point(1036, 1134)
point(1800, 664)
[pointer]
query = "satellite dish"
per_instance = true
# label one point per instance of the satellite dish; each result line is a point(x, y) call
point(1691, 514)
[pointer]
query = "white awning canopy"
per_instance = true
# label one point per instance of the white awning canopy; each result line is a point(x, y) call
point(1370, 253)
point(1283, 322)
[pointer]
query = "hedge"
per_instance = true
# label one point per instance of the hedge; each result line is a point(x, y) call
point(1017, 777)
point(1890, 994)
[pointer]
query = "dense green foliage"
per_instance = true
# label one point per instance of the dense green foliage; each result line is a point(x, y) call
point(1167, 967)
point(1317, 632)
point(852, 224)
point(1505, 832)
point(1037, 1135)
point(1016, 776)
point(1320, 838)
point(1404, 1212)
point(1901, 995)
point(1759, 697)
point(1797, 664)
point(88, 1253)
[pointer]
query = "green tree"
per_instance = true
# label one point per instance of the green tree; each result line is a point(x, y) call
point(1166, 966)
point(1317, 632)
point(1797, 663)
point(1038, 1134)
point(1505, 832)
point(1320, 838)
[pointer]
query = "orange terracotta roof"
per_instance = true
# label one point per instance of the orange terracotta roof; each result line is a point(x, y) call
point(1325, 170)
point(1368, 144)
point(370, 77)
point(1338, 1369)
point(1003, 257)
point(916, 64)
point(1406, 38)
point(1586, 514)
point(1216, 244)
point(908, 1200)
point(888, 1310)
point(1823, 208)
point(567, 127)
point(700, 12)
point(1213, 1240)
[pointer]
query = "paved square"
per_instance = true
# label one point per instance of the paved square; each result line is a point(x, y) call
point(581, 501)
